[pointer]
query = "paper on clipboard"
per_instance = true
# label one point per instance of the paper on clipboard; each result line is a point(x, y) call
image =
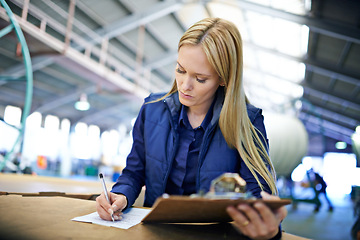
point(184, 209)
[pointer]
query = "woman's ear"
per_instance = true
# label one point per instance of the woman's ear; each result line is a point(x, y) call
point(222, 83)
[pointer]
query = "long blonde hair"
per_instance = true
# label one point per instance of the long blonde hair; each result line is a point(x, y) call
point(222, 44)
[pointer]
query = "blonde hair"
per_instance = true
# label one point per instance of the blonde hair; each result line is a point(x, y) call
point(222, 44)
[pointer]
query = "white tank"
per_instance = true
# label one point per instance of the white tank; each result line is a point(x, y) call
point(288, 141)
point(355, 140)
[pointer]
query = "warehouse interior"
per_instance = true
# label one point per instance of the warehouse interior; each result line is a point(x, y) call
point(301, 66)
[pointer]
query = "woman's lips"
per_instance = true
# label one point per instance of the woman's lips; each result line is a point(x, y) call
point(183, 95)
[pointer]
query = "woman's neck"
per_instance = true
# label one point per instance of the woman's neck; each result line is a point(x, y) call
point(196, 116)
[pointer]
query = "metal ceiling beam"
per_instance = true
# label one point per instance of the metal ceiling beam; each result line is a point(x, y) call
point(124, 109)
point(332, 71)
point(135, 20)
point(162, 60)
point(59, 101)
point(94, 35)
point(153, 32)
point(329, 28)
point(325, 113)
point(150, 15)
point(326, 128)
point(332, 99)
point(313, 65)
point(149, 27)
point(82, 59)
point(83, 43)
point(313, 128)
point(85, 74)
point(38, 62)
point(13, 94)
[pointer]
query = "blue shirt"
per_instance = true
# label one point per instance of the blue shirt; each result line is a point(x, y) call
point(182, 178)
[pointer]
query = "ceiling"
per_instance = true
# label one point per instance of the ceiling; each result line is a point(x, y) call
point(118, 51)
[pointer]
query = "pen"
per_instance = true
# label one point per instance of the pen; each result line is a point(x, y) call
point(105, 192)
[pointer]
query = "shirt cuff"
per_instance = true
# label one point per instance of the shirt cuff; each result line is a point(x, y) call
point(278, 235)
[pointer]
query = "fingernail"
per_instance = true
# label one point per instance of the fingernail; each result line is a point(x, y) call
point(117, 217)
point(110, 211)
point(241, 206)
point(257, 205)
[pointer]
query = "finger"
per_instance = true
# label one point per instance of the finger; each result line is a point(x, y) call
point(101, 209)
point(103, 201)
point(281, 212)
point(256, 224)
point(105, 205)
point(268, 196)
point(119, 202)
point(265, 212)
point(240, 220)
point(250, 212)
point(117, 216)
point(270, 220)
point(236, 215)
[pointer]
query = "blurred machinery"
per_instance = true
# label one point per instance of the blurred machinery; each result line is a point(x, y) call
point(288, 141)
point(355, 139)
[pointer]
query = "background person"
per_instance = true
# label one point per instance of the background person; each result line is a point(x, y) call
point(319, 185)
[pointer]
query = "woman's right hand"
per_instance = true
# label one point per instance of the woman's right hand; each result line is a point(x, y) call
point(104, 209)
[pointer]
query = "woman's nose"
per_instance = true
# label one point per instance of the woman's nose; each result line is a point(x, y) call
point(187, 83)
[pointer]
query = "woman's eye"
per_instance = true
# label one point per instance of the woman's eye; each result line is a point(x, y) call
point(179, 70)
point(200, 80)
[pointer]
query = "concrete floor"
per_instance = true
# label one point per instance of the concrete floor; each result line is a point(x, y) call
point(323, 225)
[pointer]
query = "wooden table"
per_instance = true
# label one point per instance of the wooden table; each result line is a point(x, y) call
point(36, 207)
point(50, 218)
point(29, 185)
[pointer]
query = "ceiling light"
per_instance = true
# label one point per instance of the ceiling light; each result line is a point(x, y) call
point(82, 104)
point(340, 145)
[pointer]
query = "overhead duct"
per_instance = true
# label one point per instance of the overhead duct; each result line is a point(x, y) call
point(288, 141)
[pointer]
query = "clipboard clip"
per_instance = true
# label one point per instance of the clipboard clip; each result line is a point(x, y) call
point(227, 186)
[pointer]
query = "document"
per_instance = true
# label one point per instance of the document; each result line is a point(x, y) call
point(130, 217)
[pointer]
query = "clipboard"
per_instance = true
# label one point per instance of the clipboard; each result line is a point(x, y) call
point(185, 209)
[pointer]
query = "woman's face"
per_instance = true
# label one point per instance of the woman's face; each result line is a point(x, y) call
point(197, 81)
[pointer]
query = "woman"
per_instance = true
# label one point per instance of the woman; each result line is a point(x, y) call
point(203, 127)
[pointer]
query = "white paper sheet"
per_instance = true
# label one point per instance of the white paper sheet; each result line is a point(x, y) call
point(130, 217)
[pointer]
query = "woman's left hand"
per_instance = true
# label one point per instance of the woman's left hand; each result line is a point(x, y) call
point(259, 221)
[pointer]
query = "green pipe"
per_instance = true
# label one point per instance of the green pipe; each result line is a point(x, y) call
point(6, 30)
point(29, 79)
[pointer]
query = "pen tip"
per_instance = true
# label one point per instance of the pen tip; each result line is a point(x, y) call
point(100, 175)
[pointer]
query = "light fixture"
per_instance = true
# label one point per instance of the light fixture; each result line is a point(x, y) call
point(341, 145)
point(82, 104)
